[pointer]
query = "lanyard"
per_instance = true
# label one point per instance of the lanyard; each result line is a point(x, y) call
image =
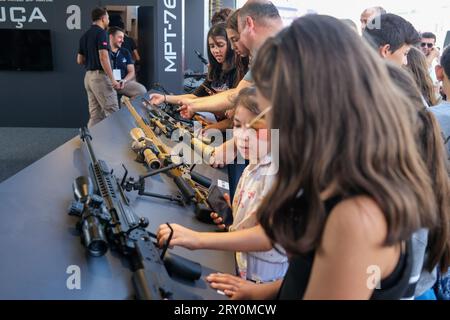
point(115, 55)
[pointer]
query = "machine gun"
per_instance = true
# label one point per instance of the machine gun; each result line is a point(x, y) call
point(188, 182)
point(162, 123)
point(108, 220)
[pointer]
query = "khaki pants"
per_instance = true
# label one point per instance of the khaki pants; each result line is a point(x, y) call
point(101, 95)
point(133, 89)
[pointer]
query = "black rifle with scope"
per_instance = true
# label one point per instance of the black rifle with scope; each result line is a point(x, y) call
point(106, 220)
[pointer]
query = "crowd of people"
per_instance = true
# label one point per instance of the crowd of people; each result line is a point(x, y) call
point(359, 204)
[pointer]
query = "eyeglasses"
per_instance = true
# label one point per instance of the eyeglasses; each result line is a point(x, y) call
point(426, 44)
point(259, 117)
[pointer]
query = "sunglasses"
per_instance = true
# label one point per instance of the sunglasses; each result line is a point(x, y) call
point(425, 44)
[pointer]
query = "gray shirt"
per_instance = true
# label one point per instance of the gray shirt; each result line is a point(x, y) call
point(442, 113)
point(248, 76)
point(420, 277)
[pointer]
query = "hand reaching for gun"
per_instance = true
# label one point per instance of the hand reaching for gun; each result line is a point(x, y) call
point(157, 99)
point(186, 109)
point(182, 237)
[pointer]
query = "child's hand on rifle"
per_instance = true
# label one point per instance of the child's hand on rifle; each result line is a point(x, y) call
point(182, 237)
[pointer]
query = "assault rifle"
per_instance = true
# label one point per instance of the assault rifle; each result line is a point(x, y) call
point(106, 220)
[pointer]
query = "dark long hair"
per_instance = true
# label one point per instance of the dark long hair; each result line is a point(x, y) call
point(217, 71)
point(417, 65)
point(242, 63)
point(432, 148)
point(341, 121)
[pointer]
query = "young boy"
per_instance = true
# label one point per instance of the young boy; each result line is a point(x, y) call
point(393, 38)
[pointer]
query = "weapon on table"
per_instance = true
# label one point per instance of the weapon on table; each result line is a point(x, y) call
point(106, 219)
point(174, 113)
point(182, 175)
point(201, 57)
point(146, 150)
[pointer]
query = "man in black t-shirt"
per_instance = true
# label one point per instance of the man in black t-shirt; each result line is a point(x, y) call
point(130, 44)
point(123, 65)
point(99, 80)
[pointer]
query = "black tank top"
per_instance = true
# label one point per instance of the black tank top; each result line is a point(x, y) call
point(391, 288)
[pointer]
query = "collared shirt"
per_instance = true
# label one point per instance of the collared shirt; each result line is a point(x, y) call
point(255, 183)
point(91, 42)
point(120, 60)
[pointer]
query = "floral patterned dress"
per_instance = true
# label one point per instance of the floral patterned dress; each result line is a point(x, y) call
point(255, 183)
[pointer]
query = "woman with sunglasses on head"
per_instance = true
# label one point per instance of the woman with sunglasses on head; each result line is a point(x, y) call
point(352, 187)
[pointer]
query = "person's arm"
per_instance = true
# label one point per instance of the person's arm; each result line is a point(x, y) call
point(157, 98)
point(221, 125)
point(224, 154)
point(130, 73)
point(81, 56)
point(103, 53)
point(239, 289)
point(106, 65)
point(199, 92)
point(253, 239)
point(216, 103)
point(136, 56)
point(175, 99)
point(81, 59)
point(351, 253)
